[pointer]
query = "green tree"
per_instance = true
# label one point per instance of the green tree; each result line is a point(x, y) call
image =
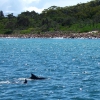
point(22, 22)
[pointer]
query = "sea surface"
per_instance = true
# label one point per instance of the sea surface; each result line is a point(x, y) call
point(71, 66)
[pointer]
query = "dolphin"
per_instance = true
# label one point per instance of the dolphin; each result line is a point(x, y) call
point(25, 81)
point(36, 77)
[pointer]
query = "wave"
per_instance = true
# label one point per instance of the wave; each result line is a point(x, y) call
point(19, 80)
point(58, 38)
point(4, 82)
point(22, 79)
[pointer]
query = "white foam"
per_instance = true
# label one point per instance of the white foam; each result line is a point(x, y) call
point(22, 79)
point(4, 82)
point(58, 38)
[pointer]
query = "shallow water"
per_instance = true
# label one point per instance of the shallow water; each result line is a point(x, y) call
point(71, 66)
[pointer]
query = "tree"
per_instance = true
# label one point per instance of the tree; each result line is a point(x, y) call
point(22, 22)
point(10, 16)
point(1, 15)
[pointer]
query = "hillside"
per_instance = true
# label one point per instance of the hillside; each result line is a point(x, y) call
point(80, 18)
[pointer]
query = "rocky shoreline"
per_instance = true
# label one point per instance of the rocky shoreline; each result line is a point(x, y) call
point(92, 34)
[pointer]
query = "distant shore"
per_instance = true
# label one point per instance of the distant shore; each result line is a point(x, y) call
point(92, 34)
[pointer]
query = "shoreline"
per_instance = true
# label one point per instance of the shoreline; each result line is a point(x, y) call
point(54, 35)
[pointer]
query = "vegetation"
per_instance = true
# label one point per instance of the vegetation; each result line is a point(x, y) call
point(80, 18)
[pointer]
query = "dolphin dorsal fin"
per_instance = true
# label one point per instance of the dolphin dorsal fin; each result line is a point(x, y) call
point(33, 76)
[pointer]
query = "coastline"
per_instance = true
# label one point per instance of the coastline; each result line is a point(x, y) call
point(90, 35)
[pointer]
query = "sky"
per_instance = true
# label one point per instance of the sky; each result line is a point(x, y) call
point(18, 6)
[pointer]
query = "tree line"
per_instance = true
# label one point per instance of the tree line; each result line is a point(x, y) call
point(82, 17)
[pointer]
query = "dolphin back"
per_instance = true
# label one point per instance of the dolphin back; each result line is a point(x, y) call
point(36, 77)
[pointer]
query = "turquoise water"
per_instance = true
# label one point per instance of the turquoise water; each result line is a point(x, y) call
point(71, 66)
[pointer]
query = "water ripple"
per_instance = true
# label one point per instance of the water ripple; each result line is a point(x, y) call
point(72, 68)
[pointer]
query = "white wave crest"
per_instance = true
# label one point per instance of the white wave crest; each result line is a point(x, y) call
point(22, 79)
point(4, 82)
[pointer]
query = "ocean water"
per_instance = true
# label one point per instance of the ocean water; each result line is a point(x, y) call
point(71, 66)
